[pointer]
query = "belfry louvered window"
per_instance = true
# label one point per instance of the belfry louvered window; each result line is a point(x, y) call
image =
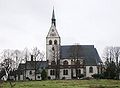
point(50, 42)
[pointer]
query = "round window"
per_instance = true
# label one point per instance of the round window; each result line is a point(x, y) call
point(52, 30)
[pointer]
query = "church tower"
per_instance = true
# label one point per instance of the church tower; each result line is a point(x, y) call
point(53, 42)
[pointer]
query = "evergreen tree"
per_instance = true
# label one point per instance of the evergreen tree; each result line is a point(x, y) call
point(44, 74)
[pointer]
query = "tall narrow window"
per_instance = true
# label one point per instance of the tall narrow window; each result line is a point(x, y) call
point(65, 72)
point(30, 72)
point(91, 70)
point(52, 72)
point(50, 42)
point(78, 71)
point(55, 42)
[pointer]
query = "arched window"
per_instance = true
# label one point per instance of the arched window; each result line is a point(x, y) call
point(52, 72)
point(50, 42)
point(65, 62)
point(53, 63)
point(30, 72)
point(72, 62)
point(91, 70)
point(55, 42)
point(77, 62)
point(78, 72)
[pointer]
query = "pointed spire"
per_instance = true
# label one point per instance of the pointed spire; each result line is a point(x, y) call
point(53, 14)
point(53, 18)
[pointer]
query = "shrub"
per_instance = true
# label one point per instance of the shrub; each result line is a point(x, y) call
point(27, 78)
point(44, 74)
point(49, 78)
point(63, 78)
point(81, 75)
point(97, 76)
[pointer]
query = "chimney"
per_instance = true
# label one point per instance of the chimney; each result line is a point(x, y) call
point(31, 57)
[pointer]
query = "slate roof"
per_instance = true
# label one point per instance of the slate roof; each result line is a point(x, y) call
point(21, 66)
point(87, 52)
point(30, 65)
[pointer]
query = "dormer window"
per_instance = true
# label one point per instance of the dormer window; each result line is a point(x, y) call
point(53, 63)
point(78, 62)
point(65, 62)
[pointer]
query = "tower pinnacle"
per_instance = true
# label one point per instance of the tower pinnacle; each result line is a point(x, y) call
point(53, 18)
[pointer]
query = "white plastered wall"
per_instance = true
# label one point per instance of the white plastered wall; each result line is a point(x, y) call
point(66, 76)
point(52, 76)
point(95, 71)
point(32, 76)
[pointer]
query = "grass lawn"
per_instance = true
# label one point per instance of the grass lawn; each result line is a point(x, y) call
point(65, 84)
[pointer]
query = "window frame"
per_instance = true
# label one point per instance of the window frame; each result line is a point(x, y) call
point(50, 42)
point(30, 72)
point(52, 72)
point(65, 62)
point(55, 42)
point(90, 69)
point(53, 63)
point(65, 72)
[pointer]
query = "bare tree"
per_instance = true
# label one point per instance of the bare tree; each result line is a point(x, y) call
point(57, 58)
point(55, 54)
point(25, 57)
point(17, 57)
point(75, 55)
point(112, 54)
point(117, 54)
point(8, 64)
point(38, 56)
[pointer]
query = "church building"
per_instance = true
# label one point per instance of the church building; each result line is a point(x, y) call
point(69, 61)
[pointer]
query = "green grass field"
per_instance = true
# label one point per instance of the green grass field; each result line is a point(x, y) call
point(65, 84)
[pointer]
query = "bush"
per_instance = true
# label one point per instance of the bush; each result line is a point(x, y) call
point(43, 74)
point(81, 75)
point(63, 78)
point(97, 76)
point(49, 78)
point(27, 78)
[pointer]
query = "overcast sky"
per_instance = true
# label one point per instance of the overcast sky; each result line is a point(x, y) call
point(25, 23)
